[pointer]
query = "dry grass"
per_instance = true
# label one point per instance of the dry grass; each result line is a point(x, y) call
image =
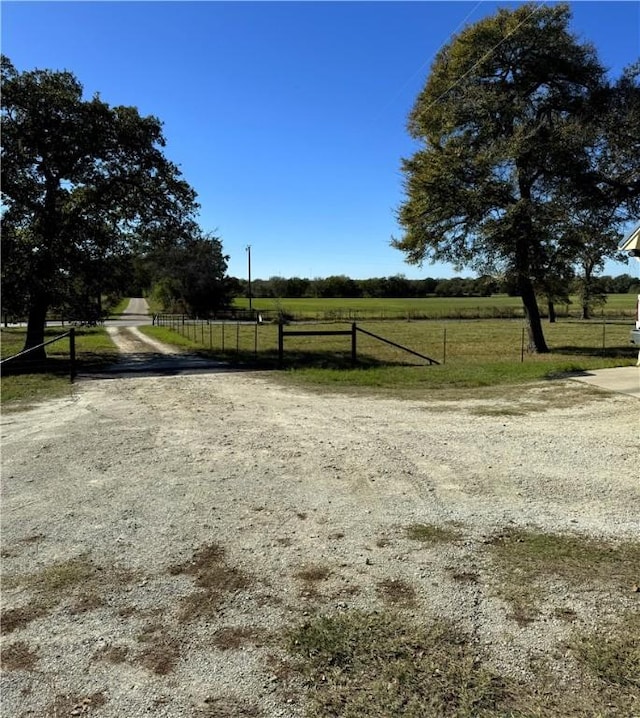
point(520, 401)
point(215, 579)
point(229, 707)
point(427, 533)
point(360, 665)
point(87, 601)
point(77, 580)
point(611, 654)
point(161, 649)
point(113, 654)
point(313, 572)
point(15, 618)
point(468, 577)
point(396, 592)
point(236, 637)
point(522, 558)
point(312, 575)
point(73, 705)
point(18, 656)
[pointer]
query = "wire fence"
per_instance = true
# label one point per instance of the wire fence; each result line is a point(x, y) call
point(459, 341)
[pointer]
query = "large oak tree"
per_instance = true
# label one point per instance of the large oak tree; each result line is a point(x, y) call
point(517, 116)
point(82, 183)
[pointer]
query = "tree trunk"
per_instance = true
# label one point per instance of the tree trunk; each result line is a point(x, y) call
point(552, 311)
point(524, 230)
point(524, 236)
point(537, 343)
point(35, 328)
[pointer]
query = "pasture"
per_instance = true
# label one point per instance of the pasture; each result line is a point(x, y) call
point(501, 306)
point(471, 353)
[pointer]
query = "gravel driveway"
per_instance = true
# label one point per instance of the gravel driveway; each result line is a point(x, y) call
point(115, 499)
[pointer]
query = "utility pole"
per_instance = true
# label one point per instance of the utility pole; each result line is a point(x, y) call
point(249, 262)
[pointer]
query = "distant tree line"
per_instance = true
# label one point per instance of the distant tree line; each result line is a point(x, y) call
point(398, 286)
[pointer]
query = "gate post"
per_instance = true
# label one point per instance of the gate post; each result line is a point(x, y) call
point(354, 356)
point(72, 353)
point(280, 344)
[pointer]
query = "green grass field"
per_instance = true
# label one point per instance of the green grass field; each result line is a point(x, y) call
point(495, 307)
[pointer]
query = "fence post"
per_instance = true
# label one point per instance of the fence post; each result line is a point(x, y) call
point(354, 352)
point(280, 343)
point(255, 340)
point(444, 346)
point(522, 347)
point(72, 353)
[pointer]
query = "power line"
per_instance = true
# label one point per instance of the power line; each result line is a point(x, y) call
point(483, 58)
point(426, 62)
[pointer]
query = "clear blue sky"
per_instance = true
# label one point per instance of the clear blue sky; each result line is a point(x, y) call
point(288, 118)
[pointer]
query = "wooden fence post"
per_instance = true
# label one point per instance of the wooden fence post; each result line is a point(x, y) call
point(280, 344)
point(354, 351)
point(72, 353)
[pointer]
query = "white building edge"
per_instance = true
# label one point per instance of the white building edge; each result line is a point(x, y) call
point(631, 243)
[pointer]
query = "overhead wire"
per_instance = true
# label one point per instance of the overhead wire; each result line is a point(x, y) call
point(483, 58)
point(410, 79)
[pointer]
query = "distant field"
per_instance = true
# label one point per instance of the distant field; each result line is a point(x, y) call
point(495, 307)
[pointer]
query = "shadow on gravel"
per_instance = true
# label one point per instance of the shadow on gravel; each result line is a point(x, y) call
point(147, 364)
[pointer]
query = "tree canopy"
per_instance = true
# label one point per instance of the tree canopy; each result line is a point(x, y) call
point(521, 131)
point(83, 184)
point(191, 277)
